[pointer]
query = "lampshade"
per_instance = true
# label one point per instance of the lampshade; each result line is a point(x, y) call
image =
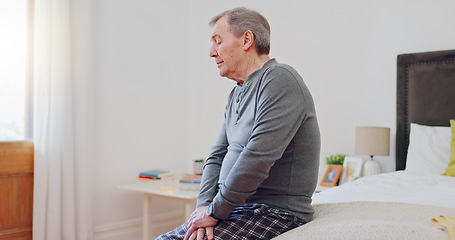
point(372, 141)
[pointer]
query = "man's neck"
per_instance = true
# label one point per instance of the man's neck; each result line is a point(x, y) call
point(252, 65)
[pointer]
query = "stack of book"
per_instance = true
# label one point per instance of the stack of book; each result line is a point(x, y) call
point(155, 174)
point(190, 181)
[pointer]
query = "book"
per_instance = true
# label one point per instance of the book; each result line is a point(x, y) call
point(147, 178)
point(195, 181)
point(156, 174)
point(190, 182)
point(191, 176)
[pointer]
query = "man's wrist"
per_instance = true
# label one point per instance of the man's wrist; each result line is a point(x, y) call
point(210, 212)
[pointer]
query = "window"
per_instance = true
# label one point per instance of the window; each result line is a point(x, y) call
point(15, 82)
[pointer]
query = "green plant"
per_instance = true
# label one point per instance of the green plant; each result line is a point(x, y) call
point(199, 160)
point(335, 159)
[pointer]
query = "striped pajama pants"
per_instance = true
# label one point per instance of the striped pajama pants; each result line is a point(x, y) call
point(249, 221)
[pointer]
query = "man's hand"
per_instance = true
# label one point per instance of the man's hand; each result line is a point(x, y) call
point(199, 234)
point(200, 224)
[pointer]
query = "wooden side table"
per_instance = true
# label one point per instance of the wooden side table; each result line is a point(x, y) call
point(161, 188)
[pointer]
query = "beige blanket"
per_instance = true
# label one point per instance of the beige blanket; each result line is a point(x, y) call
point(372, 220)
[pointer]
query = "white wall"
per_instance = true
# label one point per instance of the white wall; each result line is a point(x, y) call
point(141, 109)
point(159, 101)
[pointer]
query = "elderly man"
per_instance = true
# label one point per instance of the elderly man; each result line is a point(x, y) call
point(262, 171)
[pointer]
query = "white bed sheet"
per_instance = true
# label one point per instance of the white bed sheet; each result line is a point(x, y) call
point(400, 186)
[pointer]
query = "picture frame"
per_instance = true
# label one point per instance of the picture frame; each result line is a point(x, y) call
point(352, 169)
point(332, 175)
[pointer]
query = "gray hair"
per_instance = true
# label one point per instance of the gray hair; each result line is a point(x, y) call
point(241, 20)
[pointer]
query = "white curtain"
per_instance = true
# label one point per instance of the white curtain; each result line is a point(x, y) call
point(62, 112)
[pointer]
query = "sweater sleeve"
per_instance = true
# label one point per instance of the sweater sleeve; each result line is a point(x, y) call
point(212, 166)
point(280, 110)
point(209, 183)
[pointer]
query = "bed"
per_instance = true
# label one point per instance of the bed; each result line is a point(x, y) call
point(400, 204)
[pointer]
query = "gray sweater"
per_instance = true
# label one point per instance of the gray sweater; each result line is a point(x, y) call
point(268, 148)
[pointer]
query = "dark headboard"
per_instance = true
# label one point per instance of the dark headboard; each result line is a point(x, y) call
point(425, 94)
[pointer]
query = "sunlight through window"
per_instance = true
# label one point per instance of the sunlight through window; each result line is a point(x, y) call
point(13, 44)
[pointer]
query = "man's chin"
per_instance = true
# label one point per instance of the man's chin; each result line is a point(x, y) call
point(222, 74)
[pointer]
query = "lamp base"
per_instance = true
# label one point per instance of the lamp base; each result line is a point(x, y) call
point(371, 167)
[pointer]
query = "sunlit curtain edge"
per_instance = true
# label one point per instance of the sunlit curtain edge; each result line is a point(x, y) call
point(54, 187)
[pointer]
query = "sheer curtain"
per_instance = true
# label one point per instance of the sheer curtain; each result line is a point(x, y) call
point(62, 124)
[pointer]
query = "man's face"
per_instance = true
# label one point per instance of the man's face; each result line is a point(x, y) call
point(226, 50)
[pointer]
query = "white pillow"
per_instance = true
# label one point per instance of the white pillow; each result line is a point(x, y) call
point(429, 149)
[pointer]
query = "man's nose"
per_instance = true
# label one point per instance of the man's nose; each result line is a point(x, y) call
point(213, 52)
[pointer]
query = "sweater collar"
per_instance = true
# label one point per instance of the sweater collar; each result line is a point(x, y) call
point(259, 72)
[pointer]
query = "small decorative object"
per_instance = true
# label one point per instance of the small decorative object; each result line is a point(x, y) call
point(352, 169)
point(332, 175)
point(198, 166)
point(372, 141)
point(335, 159)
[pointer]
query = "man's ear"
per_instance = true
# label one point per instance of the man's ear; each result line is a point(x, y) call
point(248, 40)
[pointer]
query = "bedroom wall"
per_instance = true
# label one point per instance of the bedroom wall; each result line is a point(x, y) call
point(141, 114)
point(159, 100)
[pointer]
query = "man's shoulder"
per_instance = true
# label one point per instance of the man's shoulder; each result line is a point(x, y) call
point(282, 72)
point(274, 67)
point(273, 63)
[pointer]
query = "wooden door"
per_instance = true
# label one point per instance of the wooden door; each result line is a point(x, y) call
point(16, 190)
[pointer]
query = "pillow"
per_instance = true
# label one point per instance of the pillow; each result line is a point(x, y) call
point(450, 170)
point(429, 149)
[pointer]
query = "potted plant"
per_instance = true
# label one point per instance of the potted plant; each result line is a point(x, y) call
point(337, 159)
point(198, 166)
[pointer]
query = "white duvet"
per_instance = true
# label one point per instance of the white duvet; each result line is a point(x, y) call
point(396, 205)
point(400, 187)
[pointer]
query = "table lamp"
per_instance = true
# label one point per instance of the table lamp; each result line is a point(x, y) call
point(372, 141)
